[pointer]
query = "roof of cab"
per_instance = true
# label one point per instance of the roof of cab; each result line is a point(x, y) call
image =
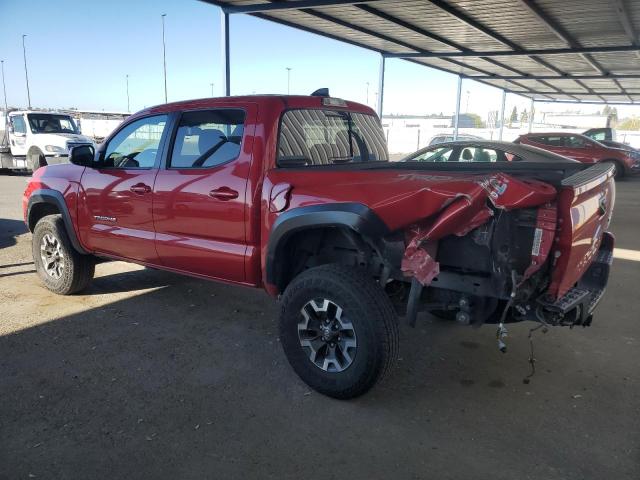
point(279, 101)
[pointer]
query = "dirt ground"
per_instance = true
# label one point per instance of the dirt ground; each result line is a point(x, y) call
point(153, 375)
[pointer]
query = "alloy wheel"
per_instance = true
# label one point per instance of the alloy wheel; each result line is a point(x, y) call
point(52, 256)
point(327, 335)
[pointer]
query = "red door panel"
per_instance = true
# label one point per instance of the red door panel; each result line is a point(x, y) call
point(199, 214)
point(116, 213)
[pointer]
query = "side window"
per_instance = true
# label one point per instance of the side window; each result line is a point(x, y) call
point(478, 154)
point(326, 137)
point(136, 145)
point(207, 138)
point(574, 142)
point(441, 154)
point(18, 123)
point(598, 136)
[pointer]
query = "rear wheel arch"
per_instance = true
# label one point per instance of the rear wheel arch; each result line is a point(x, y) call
point(351, 222)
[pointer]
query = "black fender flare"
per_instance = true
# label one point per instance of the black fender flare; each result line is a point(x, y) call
point(53, 197)
point(355, 216)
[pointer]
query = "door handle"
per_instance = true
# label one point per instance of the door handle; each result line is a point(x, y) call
point(140, 188)
point(223, 193)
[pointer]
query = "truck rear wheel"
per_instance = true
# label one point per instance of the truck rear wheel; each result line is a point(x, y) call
point(60, 267)
point(338, 330)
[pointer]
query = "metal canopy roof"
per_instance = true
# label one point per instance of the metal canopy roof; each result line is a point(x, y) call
point(547, 50)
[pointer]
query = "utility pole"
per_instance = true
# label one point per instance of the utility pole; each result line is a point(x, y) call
point(26, 73)
point(128, 110)
point(164, 58)
point(288, 80)
point(4, 88)
point(212, 89)
point(367, 93)
point(466, 110)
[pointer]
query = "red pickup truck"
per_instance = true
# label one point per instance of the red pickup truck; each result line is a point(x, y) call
point(586, 150)
point(296, 195)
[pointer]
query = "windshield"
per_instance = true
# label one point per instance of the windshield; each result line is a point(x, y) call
point(328, 137)
point(46, 123)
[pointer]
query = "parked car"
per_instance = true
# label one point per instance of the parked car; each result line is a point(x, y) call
point(607, 136)
point(295, 194)
point(484, 151)
point(34, 139)
point(583, 149)
point(449, 138)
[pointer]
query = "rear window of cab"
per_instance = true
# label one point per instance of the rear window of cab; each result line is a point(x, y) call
point(311, 137)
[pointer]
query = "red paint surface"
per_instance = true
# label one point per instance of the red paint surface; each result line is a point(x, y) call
point(179, 225)
point(591, 152)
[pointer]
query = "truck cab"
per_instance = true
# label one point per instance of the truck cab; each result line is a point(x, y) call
point(34, 139)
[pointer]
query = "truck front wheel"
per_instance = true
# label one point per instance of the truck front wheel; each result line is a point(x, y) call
point(60, 267)
point(338, 330)
point(36, 159)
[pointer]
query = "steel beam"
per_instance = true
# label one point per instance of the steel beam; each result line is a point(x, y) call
point(279, 6)
point(225, 53)
point(610, 76)
point(504, 104)
point(381, 86)
point(456, 118)
point(599, 94)
point(519, 52)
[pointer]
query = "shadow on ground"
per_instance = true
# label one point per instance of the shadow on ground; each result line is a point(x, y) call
point(187, 380)
point(9, 230)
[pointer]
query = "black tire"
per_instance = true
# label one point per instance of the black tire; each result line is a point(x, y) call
point(619, 173)
point(77, 270)
point(366, 307)
point(36, 159)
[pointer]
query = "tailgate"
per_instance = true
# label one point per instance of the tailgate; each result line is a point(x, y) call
point(585, 206)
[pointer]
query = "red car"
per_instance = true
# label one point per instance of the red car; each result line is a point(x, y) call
point(584, 149)
point(296, 195)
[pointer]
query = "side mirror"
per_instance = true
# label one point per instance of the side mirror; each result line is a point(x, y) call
point(82, 155)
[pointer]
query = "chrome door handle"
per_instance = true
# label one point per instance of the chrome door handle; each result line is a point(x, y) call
point(223, 193)
point(140, 188)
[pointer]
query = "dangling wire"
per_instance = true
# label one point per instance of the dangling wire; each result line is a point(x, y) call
point(532, 360)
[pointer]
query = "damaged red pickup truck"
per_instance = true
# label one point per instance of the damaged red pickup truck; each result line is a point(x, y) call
point(296, 195)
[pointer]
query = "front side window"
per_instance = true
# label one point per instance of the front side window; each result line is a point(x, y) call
point(136, 145)
point(207, 138)
point(46, 123)
point(18, 123)
point(327, 137)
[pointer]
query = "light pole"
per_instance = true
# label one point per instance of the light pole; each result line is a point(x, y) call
point(288, 80)
point(26, 74)
point(212, 84)
point(128, 110)
point(467, 108)
point(4, 88)
point(164, 58)
point(367, 93)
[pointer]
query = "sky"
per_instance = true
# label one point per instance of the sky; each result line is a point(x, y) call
point(79, 53)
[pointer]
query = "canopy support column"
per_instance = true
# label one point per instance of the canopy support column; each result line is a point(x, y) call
point(531, 113)
point(381, 85)
point(224, 44)
point(456, 118)
point(504, 104)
